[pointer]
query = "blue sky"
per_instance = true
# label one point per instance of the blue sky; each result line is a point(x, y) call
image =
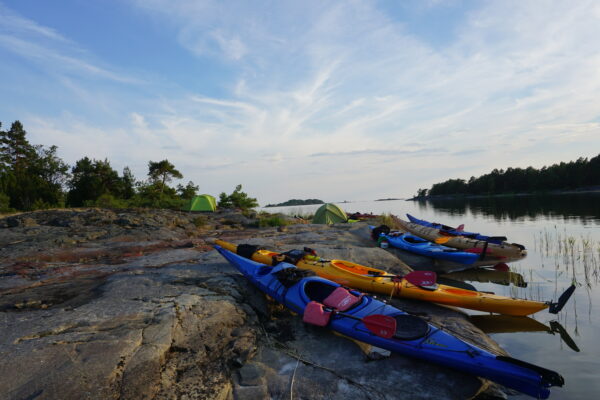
point(351, 100)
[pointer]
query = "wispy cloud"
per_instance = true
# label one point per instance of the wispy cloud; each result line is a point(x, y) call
point(50, 50)
point(12, 22)
point(326, 92)
point(381, 152)
point(58, 61)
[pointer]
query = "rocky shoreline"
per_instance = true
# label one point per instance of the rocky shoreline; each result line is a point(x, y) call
point(130, 304)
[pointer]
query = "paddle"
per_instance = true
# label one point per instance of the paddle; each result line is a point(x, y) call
point(562, 300)
point(381, 325)
point(417, 278)
point(555, 326)
point(501, 267)
point(443, 280)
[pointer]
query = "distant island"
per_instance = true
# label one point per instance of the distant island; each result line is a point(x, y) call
point(578, 176)
point(297, 202)
point(390, 199)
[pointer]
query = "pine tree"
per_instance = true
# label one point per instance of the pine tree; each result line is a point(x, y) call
point(188, 191)
point(128, 183)
point(31, 176)
point(92, 179)
point(162, 172)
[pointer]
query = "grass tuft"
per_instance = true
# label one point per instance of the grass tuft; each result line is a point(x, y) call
point(390, 220)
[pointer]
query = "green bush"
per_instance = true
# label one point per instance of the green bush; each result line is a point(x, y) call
point(237, 199)
point(171, 202)
point(106, 201)
point(5, 204)
point(274, 220)
point(40, 204)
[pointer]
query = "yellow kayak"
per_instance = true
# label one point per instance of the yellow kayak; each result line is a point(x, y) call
point(365, 278)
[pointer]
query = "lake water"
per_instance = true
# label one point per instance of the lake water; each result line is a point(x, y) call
point(562, 237)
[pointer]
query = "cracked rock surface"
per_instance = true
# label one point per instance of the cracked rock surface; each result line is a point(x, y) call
point(97, 304)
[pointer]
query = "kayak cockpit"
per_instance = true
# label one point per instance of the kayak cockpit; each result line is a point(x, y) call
point(330, 294)
point(415, 240)
point(357, 269)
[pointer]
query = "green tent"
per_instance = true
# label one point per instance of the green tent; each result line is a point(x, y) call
point(329, 214)
point(204, 202)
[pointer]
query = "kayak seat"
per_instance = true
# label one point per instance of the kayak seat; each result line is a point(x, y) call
point(318, 290)
point(336, 297)
point(341, 299)
point(315, 314)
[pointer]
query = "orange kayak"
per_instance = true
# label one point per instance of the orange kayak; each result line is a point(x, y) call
point(378, 281)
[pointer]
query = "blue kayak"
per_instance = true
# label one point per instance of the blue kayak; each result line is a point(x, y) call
point(417, 245)
point(457, 232)
point(413, 336)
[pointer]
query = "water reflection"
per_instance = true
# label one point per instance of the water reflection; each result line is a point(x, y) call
point(584, 208)
point(505, 278)
point(512, 324)
point(576, 255)
point(562, 236)
point(498, 323)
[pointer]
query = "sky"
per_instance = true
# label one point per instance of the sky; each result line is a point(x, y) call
point(335, 100)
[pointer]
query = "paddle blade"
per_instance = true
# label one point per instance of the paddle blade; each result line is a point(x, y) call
point(421, 278)
point(502, 267)
point(562, 300)
point(564, 335)
point(442, 240)
point(381, 325)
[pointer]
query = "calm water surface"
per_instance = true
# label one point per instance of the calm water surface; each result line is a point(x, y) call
point(562, 236)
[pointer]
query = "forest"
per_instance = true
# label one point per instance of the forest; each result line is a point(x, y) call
point(33, 177)
point(296, 202)
point(573, 175)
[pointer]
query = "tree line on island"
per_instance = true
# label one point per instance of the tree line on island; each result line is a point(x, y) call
point(297, 202)
point(33, 177)
point(573, 175)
